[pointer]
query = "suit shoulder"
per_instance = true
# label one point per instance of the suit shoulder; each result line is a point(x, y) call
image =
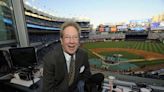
point(82, 50)
point(54, 50)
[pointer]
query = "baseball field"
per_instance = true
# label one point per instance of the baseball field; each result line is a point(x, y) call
point(128, 55)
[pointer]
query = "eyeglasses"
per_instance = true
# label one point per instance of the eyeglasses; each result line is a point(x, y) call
point(71, 37)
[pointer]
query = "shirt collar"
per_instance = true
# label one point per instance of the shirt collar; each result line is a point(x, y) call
point(68, 56)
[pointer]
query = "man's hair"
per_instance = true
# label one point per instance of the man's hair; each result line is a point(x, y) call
point(67, 24)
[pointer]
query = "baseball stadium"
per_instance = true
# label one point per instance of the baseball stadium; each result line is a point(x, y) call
point(130, 55)
point(126, 56)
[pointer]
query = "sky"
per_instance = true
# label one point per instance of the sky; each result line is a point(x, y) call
point(101, 11)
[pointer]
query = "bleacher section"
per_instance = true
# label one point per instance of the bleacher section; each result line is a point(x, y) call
point(43, 27)
point(153, 36)
point(115, 36)
point(156, 36)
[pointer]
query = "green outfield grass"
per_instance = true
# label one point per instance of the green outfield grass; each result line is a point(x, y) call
point(139, 45)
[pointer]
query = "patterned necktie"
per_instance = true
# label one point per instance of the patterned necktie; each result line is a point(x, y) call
point(71, 70)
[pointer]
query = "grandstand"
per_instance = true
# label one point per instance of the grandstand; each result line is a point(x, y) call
point(161, 37)
point(111, 36)
point(43, 27)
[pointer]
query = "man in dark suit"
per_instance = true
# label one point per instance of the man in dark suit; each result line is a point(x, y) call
point(59, 73)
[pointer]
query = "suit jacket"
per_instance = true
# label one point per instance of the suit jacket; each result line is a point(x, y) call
point(55, 74)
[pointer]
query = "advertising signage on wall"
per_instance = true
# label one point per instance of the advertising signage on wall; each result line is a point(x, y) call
point(157, 26)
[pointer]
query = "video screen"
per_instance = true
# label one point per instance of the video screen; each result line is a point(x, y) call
point(23, 57)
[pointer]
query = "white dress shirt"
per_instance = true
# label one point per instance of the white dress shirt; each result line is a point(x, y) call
point(68, 59)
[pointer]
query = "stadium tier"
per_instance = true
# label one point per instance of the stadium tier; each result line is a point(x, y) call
point(43, 27)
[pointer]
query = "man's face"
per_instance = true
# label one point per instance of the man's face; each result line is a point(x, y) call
point(70, 40)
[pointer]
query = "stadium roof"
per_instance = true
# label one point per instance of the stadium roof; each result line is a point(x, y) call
point(49, 15)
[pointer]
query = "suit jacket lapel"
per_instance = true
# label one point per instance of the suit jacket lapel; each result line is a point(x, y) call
point(62, 58)
point(62, 62)
point(77, 63)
